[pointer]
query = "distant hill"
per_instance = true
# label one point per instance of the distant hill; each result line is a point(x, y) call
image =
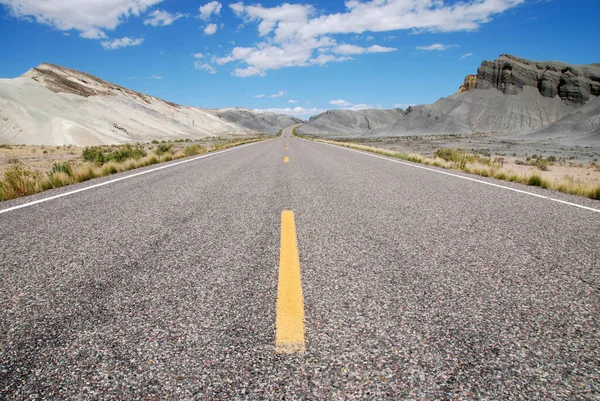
point(509, 95)
point(53, 105)
point(269, 123)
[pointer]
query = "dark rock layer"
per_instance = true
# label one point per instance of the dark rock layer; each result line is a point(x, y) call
point(509, 74)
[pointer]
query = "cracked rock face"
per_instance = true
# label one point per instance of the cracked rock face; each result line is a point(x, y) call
point(509, 74)
point(469, 84)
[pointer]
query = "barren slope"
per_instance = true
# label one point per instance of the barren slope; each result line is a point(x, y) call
point(53, 105)
point(269, 123)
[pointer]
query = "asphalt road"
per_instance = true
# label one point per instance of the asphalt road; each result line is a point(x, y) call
point(417, 285)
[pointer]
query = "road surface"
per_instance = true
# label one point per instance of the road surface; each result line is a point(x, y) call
point(415, 284)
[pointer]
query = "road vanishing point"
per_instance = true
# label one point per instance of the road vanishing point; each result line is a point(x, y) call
point(296, 270)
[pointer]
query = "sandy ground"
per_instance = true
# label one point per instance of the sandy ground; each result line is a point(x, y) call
point(580, 164)
point(502, 146)
point(42, 158)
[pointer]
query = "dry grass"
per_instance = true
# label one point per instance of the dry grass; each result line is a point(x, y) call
point(45, 171)
point(487, 167)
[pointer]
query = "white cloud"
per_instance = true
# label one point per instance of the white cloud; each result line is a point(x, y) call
point(90, 18)
point(360, 106)
point(205, 66)
point(328, 58)
point(466, 55)
point(210, 29)
point(298, 111)
point(435, 46)
point(122, 42)
point(248, 72)
point(340, 103)
point(380, 49)
point(209, 9)
point(156, 77)
point(292, 101)
point(353, 49)
point(402, 105)
point(198, 55)
point(260, 96)
point(278, 94)
point(291, 34)
point(343, 104)
point(369, 38)
point(162, 18)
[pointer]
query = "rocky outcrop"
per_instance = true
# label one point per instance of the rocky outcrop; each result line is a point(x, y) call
point(469, 84)
point(508, 96)
point(575, 84)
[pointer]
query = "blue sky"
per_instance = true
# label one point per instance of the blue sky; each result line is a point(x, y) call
point(300, 57)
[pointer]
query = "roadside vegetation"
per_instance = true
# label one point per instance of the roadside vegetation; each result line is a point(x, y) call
point(487, 166)
point(18, 179)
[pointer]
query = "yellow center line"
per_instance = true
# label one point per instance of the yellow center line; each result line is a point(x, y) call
point(286, 159)
point(289, 337)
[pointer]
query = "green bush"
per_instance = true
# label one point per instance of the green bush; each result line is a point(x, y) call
point(193, 150)
point(93, 154)
point(63, 168)
point(101, 155)
point(163, 148)
point(537, 181)
point(155, 142)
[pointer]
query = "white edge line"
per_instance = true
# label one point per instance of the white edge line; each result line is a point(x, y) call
point(462, 177)
point(125, 178)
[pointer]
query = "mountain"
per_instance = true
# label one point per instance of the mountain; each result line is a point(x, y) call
point(509, 95)
point(53, 105)
point(349, 121)
point(269, 123)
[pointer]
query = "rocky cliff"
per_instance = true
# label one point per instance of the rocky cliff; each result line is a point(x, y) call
point(509, 95)
point(469, 84)
point(572, 83)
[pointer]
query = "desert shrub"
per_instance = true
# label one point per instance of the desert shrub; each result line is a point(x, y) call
point(551, 159)
point(61, 168)
point(59, 179)
point(18, 181)
point(501, 175)
point(101, 155)
point(459, 158)
point(163, 148)
point(445, 154)
point(5, 146)
point(542, 164)
point(109, 168)
point(193, 150)
point(125, 152)
point(595, 193)
point(93, 154)
point(537, 181)
point(155, 142)
point(83, 173)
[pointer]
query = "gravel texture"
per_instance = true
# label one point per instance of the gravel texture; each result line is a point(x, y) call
point(416, 285)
